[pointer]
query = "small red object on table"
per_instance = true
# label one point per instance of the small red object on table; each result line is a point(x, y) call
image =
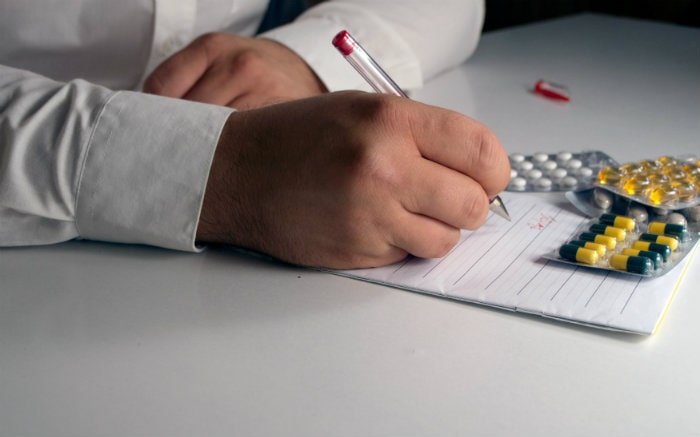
point(552, 91)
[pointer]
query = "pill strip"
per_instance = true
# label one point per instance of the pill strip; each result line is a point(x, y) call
point(620, 243)
point(561, 171)
point(665, 182)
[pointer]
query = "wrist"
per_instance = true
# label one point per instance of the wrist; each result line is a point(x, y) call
point(220, 207)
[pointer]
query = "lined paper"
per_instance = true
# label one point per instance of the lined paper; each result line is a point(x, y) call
point(501, 265)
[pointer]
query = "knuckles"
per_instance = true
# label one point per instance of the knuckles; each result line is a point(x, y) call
point(376, 109)
point(247, 63)
point(213, 42)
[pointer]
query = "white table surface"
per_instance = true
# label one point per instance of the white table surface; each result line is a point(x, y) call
point(110, 340)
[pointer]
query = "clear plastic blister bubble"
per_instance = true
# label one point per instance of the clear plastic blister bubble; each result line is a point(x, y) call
point(666, 183)
point(648, 245)
point(563, 171)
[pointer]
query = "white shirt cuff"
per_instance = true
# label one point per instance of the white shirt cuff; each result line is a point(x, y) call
point(146, 170)
point(311, 35)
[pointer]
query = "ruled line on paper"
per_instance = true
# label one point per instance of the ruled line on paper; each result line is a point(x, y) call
point(403, 263)
point(531, 279)
point(597, 288)
point(630, 296)
point(453, 249)
point(562, 285)
point(522, 251)
point(494, 245)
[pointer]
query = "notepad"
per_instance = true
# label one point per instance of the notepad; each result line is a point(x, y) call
point(501, 265)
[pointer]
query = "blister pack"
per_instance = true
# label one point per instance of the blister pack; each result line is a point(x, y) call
point(625, 244)
point(561, 171)
point(665, 183)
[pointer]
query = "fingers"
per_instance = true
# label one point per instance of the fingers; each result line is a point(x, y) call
point(445, 195)
point(218, 86)
point(462, 144)
point(423, 236)
point(176, 75)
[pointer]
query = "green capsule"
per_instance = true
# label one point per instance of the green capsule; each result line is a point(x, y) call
point(676, 230)
point(590, 245)
point(619, 221)
point(609, 242)
point(578, 254)
point(633, 264)
point(668, 240)
point(610, 231)
point(661, 249)
point(653, 256)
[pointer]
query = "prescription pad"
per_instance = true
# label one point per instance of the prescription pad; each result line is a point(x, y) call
point(501, 265)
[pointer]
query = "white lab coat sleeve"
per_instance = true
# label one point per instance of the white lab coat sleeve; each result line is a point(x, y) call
point(412, 40)
point(80, 161)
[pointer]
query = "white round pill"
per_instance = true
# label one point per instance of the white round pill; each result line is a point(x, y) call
point(534, 174)
point(517, 157)
point(602, 199)
point(525, 166)
point(693, 213)
point(639, 213)
point(564, 156)
point(574, 164)
point(585, 172)
point(513, 173)
point(558, 173)
point(569, 182)
point(549, 165)
point(543, 184)
point(662, 212)
point(517, 184)
point(676, 219)
point(540, 157)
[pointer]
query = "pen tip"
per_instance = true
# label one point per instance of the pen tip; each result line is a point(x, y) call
point(499, 208)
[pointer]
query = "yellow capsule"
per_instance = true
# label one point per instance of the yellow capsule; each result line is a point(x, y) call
point(663, 195)
point(619, 221)
point(634, 264)
point(630, 168)
point(657, 228)
point(650, 165)
point(659, 179)
point(666, 161)
point(687, 191)
point(689, 166)
point(610, 231)
point(609, 242)
point(674, 172)
point(691, 170)
point(637, 184)
point(599, 248)
point(587, 256)
point(667, 240)
point(576, 253)
point(609, 176)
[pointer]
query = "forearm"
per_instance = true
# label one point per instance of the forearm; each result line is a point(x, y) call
point(81, 161)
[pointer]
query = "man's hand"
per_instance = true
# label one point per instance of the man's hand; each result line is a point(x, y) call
point(350, 180)
point(231, 70)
